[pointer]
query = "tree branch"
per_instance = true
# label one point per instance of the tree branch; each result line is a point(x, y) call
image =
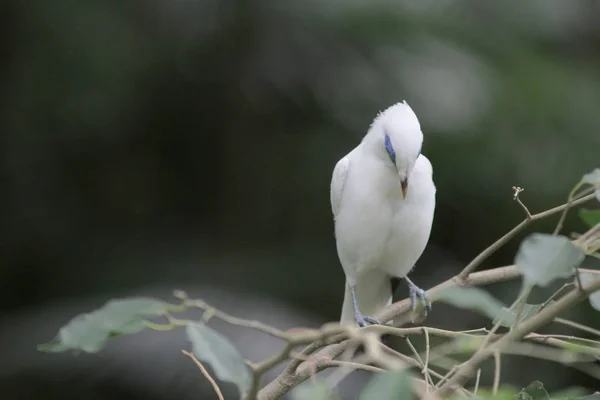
point(547, 315)
point(484, 255)
point(296, 373)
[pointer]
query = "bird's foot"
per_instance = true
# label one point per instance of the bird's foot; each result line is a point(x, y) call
point(364, 320)
point(415, 292)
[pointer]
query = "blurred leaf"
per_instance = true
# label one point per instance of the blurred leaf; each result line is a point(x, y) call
point(593, 396)
point(587, 278)
point(576, 346)
point(508, 317)
point(573, 393)
point(313, 391)
point(391, 385)
point(534, 391)
point(90, 331)
point(504, 393)
point(543, 258)
point(467, 344)
point(592, 178)
point(215, 349)
point(472, 299)
point(590, 217)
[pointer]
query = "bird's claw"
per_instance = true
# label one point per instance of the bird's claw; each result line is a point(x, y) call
point(415, 292)
point(364, 320)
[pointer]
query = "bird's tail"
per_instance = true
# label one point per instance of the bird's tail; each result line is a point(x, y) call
point(373, 292)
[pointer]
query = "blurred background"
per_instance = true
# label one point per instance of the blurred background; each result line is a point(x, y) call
point(152, 145)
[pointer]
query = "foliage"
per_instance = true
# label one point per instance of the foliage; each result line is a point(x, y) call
point(89, 332)
point(317, 390)
point(590, 217)
point(541, 260)
point(213, 348)
point(392, 385)
point(545, 258)
point(472, 299)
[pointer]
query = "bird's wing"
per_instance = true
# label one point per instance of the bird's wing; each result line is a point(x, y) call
point(337, 183)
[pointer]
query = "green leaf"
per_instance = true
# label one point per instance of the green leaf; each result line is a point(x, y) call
point(391, 385)
point(543, 258)
point(534, 391)
point(472, 299)
point(215, 349)
point(467, 344)
point(89, 332)
point(590, 217)
point(587, 278)
point(313, 391)
point(504, 393)
point(508, 317)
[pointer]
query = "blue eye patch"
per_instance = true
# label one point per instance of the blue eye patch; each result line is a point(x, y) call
point(390, 149)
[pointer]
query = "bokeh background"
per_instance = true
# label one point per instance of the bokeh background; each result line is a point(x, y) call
point(149, 145)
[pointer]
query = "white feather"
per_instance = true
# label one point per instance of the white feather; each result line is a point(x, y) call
point(378, 233)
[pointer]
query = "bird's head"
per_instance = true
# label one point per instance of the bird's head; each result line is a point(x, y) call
point(396, 137)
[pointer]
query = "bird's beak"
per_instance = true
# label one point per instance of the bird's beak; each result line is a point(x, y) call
point(404, 184)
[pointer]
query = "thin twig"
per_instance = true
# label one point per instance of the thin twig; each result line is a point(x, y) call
point(427, 349)
point(496, 373)
point(418, 330)
point(206, 374)
point(564, 337)
point(473, 331)
point(555, 294)
point(516, 197)
point(577, 325)
point(497, 325)
point(477, 381)
point(561, 220)
point(484, 255)
point(592, 350)
point(274, 360)
point(353, 364)
point(411, 361)
point(447, 376)
point(212, 311)
point(422, 364)
point(260, 369)
point(541, 352)
point(469, 368)
point(526, 292)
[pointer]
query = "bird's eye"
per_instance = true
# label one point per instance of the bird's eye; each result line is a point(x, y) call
point(390, 149)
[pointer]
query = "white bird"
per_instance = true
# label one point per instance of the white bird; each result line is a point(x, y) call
point(383, 201)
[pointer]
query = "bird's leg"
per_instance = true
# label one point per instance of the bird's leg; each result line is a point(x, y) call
point(361, 320)
point(415, 291)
